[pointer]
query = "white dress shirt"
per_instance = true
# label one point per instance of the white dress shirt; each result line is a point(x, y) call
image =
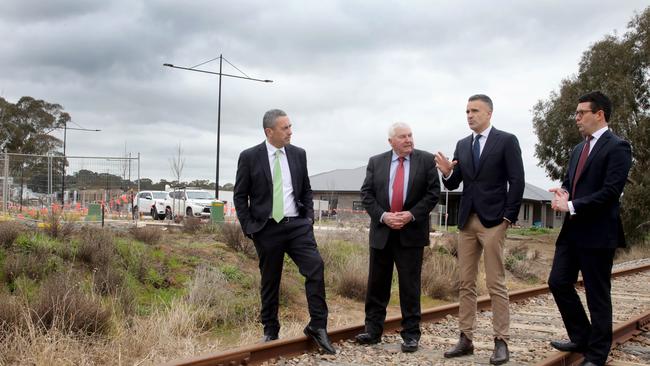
point(290, 209)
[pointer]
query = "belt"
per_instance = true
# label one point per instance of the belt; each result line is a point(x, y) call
point(286, 220)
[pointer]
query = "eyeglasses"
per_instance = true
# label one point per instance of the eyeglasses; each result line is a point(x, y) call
point(581, 112)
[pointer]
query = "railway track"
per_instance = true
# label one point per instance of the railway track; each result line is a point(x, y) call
point(534, 322)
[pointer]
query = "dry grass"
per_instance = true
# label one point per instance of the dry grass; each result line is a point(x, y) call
point(440, 274)
point(638, 251)
point(148, 234)
point(9, 232)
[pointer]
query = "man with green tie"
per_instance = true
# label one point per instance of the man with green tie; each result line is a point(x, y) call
point(274, 204)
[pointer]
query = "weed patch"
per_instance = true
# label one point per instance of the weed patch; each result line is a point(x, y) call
point(9, 232)
point(62, 305)
point(149, 235)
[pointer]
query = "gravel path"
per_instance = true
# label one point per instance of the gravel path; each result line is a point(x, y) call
point(534, 323)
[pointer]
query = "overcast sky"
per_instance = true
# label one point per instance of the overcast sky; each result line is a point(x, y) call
point(342, 70)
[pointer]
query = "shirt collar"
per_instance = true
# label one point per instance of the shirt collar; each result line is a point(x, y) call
point(271, 149)
point(395, 156)
point(596, 135)
point(485, 132)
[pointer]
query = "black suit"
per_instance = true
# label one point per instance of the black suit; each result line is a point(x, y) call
point(402, 247)
point(253, 200)
point(587, 243)
point(496, 189)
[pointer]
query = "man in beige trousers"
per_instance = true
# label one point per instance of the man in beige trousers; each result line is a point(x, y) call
point(488, 163)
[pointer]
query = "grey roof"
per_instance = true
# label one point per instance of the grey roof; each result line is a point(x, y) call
point(339, 180)
point(350, 180)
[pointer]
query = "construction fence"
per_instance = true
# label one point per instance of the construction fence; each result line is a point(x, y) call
point(34, 186)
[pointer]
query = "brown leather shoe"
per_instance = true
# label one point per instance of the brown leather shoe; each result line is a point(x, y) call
point(462, 348)
point(500, 355)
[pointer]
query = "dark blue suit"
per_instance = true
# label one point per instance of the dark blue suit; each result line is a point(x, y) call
point(587, 243)
point(496, 189)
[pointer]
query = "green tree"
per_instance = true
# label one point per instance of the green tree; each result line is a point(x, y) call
point(619, 66)
point(25, 125)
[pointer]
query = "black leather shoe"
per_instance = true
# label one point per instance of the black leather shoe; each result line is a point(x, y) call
point(367, 338)
point(568, 346)
point(588, 363)
point(409, 345)
point(319, 335)
point(500, 355)
point(269, 337)
point(462, 348)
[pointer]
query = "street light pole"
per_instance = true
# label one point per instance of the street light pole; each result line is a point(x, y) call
point(220, 73)
point(216, 181)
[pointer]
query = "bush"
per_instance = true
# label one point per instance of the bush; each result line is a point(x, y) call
point(55, 227)
point(135, 259)
point(440, 275)
point(209, 287)
point(352, 278)
point(33, 265)
point(232, 235)
point(9, 232)
point(62, 305)
point(191, 225)
point(147, 234)
point(96, 247)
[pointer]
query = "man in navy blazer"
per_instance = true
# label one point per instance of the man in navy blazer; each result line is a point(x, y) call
point(488, 163)
point(274, 204)
point(592, 230)
point(400, 190)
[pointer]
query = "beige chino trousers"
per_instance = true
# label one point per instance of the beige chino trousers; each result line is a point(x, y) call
point(473, 240)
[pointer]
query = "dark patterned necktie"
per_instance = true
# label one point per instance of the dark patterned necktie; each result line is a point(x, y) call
point(476, 152)
point(581, 163)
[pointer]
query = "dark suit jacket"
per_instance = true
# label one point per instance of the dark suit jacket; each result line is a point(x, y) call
point(496, 189)
point(253, 192)
point(422, 193)
point(597, 222)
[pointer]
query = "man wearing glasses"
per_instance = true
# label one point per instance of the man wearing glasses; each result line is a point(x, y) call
point(591, 231)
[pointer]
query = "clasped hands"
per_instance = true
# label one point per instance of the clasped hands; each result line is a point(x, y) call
point(560, 199)
point(397, 220)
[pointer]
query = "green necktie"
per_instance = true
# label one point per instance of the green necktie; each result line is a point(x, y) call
point(278, 193)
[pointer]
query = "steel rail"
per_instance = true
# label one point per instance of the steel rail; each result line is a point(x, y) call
point(257, 353)
point(621, 333)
